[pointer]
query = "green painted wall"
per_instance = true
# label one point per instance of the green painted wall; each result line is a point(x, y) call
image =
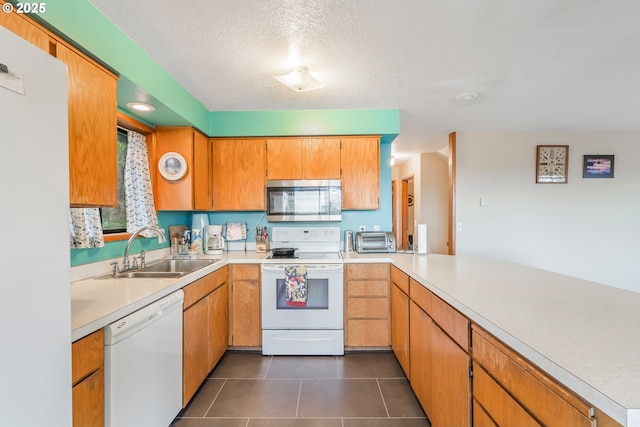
point(307, 122)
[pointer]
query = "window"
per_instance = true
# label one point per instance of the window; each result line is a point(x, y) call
point(114, 220)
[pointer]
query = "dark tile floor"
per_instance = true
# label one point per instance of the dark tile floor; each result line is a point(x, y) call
point(357, 390)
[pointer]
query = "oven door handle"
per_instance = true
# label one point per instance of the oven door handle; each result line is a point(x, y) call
point(311, 267)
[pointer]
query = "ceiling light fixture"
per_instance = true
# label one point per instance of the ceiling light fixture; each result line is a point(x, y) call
point(141, 106)
point(300, 80)
point(466, 96)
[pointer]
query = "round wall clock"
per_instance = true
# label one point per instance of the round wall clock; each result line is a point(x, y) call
point(172, 166)
point(552, 163)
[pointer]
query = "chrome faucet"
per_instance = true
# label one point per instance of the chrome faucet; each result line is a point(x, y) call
point(161, 239)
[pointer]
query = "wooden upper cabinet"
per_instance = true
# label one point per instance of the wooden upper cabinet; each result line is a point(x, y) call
point(360, 158)
point(191, 192)
point(303, 158)
point(93, 177)
point(238, 169)
point(25, 28)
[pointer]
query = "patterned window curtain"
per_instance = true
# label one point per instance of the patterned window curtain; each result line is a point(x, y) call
point(85, 228)
point(141, 210)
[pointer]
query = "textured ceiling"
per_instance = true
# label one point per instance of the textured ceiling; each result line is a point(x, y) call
point(563, 65)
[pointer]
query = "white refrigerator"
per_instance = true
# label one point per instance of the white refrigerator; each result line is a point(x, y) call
point(35, 319)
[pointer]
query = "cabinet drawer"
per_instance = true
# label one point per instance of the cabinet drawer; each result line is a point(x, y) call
point(497, 403)
point(201, 287)
point(449, 320)
point(245, 272)
point(400, 279)
point(368, 333)
point(87, 355)
point(368, 308)
point(549, 402)
point(367, 271)
point(368, 288)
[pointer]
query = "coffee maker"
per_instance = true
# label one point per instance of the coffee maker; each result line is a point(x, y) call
point(214, 242)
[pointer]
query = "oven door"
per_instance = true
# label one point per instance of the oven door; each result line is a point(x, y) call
point(324, 303)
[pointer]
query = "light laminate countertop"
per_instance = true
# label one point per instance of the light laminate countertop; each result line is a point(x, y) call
point(582, 333)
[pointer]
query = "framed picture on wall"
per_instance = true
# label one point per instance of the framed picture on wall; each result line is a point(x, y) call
point(552, 164)
point(598, 166)
point(172, 166)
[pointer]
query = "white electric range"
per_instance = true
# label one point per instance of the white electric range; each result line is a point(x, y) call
point(302, 292)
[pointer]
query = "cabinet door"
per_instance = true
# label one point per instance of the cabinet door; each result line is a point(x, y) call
point(238, 174)
point(245, 317)
point(303, 158)
point(360, 158)
point(450, 382)
point(321, 158)
point(419, 334)
point(218, 324)
point(201, 172)
point(93, 179)
point(195, 356)
point(284, 158)
point(24, 27)
point(88, 401)
point(400, 327)
point(174, 195)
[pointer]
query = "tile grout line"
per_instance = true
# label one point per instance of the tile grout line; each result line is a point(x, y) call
point(214, 398)
point(266, 371)
point(382, 396)
point(299, 394)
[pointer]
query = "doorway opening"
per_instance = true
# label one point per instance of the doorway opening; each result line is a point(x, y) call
point(407, 220)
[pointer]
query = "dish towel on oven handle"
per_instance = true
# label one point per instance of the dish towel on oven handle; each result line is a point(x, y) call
point(296, 281)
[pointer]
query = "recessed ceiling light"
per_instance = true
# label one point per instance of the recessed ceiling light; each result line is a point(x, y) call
point(466, 96)
point(141, 106)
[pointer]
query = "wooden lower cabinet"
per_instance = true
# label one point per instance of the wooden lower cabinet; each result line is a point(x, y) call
point(439, 372)
point(400, 328)
point(218, 323)
point(367, 311)
point(205, 329)
point(400, 318)
point(245, 303)
point(87, 372)
point(439, 364)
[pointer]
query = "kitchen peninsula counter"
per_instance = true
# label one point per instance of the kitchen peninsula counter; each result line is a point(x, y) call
point(583, 334)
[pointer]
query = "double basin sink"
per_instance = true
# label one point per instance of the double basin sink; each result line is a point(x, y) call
point(165, 269)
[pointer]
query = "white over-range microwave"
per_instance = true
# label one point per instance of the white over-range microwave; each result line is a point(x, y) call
point(304, 200)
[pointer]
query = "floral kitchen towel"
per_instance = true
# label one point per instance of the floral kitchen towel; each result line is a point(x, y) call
point(236, 231)
point(296, 280)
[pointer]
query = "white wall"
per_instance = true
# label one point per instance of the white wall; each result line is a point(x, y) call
point(434, 200)
point(588, 228)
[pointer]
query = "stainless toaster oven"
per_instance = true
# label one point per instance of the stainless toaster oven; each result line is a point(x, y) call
point(375, 241)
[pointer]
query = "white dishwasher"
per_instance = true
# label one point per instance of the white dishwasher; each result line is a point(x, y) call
point(143, 365)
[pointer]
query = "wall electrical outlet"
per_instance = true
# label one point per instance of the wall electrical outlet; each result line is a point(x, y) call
point(458, 226)
point(376, 228)
point(362, 228)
